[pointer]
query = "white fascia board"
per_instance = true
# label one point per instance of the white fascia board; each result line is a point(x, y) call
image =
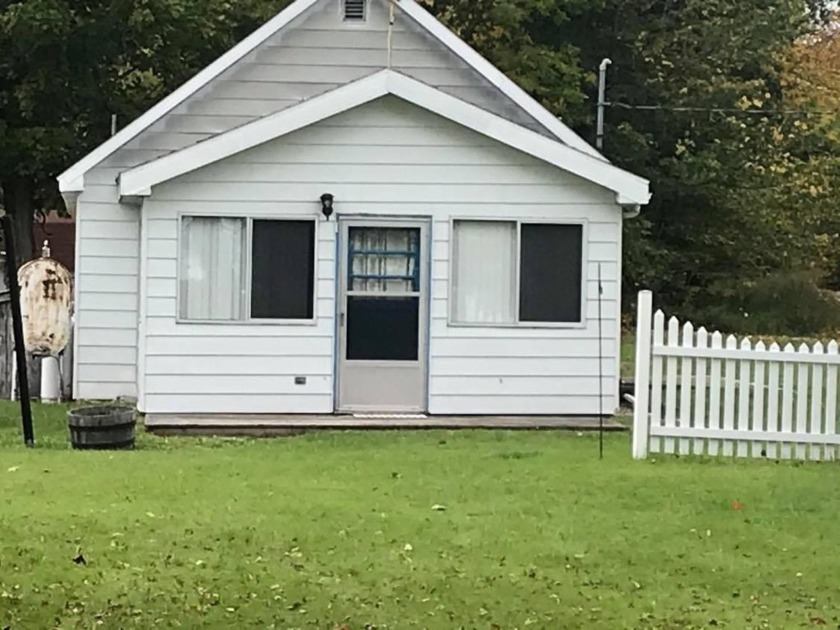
point(496, 77)
point(139, 181)
point(72, 180)
point(76, 185)
point(628, 187)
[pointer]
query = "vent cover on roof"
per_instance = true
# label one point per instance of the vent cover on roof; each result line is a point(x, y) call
point(354, 10)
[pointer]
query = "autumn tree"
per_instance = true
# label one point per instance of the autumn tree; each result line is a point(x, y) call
point(702, 109)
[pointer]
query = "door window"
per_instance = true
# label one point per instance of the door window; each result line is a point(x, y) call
point(383, 297)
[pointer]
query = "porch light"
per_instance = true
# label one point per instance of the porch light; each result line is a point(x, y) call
point(327, 205)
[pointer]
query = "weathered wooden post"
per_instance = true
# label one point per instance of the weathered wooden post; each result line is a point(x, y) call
point(17, 328)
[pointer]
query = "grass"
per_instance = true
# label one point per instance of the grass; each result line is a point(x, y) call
point(338, 530)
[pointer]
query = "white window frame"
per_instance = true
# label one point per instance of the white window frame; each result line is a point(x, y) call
point(354, 23)
point(517, 323)
point(249, 219)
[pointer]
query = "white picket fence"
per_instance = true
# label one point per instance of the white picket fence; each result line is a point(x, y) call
point(698, 393)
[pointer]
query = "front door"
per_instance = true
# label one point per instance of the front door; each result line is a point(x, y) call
point(382, 315)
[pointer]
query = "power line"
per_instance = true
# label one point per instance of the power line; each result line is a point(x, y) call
point(722, 110)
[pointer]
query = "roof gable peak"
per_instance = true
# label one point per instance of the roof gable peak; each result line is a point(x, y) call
point(72, 179)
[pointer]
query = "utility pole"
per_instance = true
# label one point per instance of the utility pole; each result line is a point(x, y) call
point(602, 92)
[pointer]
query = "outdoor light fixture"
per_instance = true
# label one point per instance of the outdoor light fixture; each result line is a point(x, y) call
point(327, 205)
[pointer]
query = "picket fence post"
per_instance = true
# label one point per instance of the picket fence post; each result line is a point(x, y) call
point(641, 418)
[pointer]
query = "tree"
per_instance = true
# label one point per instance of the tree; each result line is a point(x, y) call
point(731, 187)
point(510, 34)
point(737, 194)
point(812, 82)
point(66, 66)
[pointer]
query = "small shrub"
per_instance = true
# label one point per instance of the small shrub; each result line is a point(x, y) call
point(780, 304)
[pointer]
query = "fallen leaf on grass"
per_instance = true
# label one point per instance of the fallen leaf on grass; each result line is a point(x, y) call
point(736, 505)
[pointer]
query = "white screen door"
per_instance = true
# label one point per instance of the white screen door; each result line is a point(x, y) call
point(383, 316)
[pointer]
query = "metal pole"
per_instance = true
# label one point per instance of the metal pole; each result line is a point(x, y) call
point(600, 370)
point(17, 328)
point(602, 93)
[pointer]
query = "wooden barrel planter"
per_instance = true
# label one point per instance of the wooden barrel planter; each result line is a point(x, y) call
point(104, 427)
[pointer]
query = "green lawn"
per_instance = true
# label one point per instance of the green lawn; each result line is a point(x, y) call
point(336, 529)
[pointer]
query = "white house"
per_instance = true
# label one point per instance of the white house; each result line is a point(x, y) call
point(456, 273)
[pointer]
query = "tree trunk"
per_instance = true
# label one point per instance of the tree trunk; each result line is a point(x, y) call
point(18, 199)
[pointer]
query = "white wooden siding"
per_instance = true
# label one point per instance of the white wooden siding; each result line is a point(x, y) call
point(238, 368)
point(107, 250)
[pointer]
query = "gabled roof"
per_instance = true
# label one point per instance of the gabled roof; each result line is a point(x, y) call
point(73, 178)
point(138, 182)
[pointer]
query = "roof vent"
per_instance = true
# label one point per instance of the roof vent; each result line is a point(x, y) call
point(354, 10)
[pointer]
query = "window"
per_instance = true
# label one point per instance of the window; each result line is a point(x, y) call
point(383, 294)
point(282, 269)
point(239, 269)
point(509, 273)
point(484, 279)
point(354, 10)
point(212, 268)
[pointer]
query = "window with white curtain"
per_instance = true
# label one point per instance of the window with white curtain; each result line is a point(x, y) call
point(239, 269)
point(509, 272)
point(484, 279)
point(212, 268)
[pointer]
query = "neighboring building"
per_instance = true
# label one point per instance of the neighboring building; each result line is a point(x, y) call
point(61, 234)
point(456, 275)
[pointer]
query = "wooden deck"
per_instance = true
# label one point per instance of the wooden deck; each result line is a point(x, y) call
point(286, 424)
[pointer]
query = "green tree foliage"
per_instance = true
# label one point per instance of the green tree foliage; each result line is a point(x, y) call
point(512, 35)
point(66, 66)
point(738, 196)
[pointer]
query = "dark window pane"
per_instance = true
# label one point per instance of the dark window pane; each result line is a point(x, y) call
point(382, 329)
point(551, 260)
point(282, 269)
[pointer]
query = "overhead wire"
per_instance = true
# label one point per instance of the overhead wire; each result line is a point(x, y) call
point(722, 110)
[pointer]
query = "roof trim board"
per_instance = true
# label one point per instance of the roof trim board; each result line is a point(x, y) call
point(139, 181)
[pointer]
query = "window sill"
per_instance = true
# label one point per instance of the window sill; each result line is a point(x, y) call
point(246, 322)
point(523, 325)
